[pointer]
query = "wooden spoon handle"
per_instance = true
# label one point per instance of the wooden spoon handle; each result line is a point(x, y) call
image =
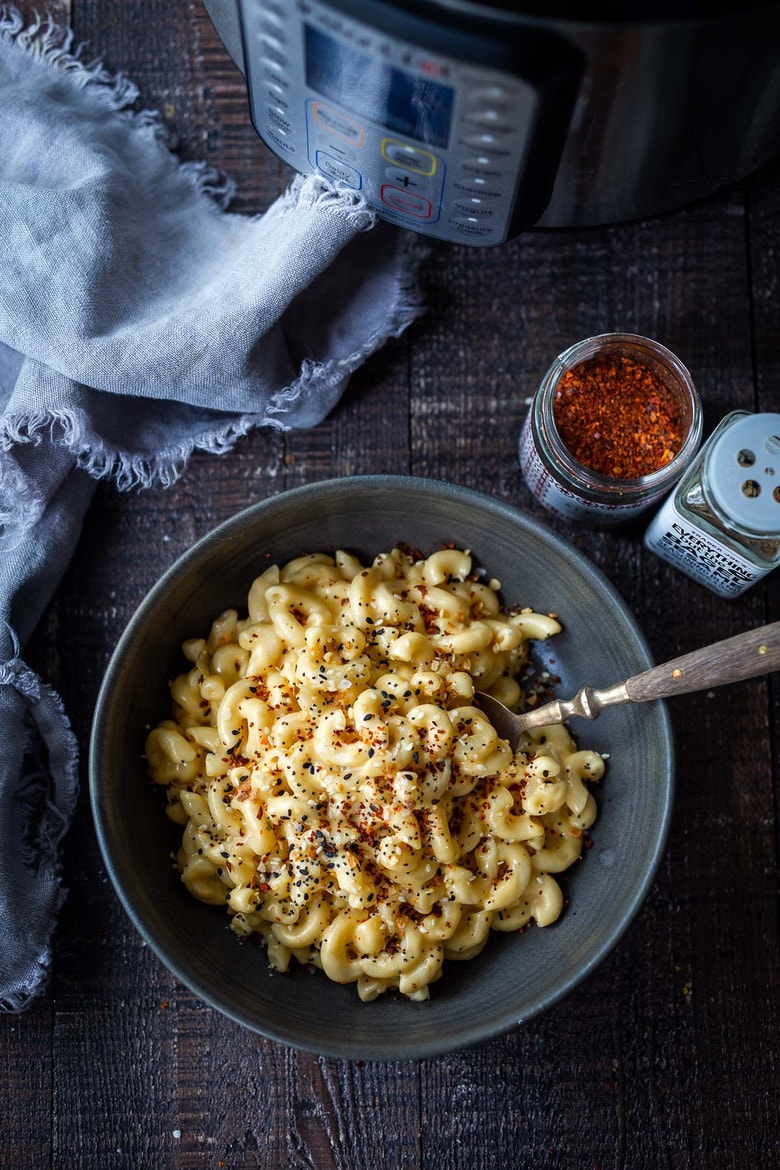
point(744, 656)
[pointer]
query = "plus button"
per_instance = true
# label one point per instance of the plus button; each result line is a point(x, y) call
point(401, 179)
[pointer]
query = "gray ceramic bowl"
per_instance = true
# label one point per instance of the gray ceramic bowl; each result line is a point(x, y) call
point(516, 976)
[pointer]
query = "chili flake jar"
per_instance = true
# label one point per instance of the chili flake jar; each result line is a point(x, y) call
point(614, 424)
point(721, 525)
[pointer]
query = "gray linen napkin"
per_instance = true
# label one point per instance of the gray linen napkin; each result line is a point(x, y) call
point(138, 321)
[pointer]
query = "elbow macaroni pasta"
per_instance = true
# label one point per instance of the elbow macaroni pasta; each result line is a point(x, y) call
point(339, 791)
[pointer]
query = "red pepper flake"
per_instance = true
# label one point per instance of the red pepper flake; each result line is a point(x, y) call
point(617, 417)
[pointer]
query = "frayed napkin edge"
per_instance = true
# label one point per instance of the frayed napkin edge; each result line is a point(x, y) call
point(129, 470)
point(55, 791)
point(46, 41)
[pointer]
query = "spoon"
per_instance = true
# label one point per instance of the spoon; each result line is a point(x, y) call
point(744, 656)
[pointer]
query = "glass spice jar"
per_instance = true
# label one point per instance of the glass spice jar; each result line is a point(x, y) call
point(722, 524)
point(614, 424)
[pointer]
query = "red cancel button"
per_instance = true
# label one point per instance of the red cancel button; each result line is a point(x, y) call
point(405, 201)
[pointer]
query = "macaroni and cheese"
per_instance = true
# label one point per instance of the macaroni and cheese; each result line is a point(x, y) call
point(340, 791)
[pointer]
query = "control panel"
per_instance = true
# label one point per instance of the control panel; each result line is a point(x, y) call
point(433, 143)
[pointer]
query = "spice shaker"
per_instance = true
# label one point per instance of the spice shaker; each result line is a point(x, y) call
point(722, 524)
point(614, 424)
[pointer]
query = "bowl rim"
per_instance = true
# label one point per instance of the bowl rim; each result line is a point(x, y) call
point(408, 1048)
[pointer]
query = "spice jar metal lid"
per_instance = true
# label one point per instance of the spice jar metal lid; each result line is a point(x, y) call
point(743, 473)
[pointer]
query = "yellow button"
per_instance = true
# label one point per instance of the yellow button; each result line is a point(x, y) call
point(411, 158)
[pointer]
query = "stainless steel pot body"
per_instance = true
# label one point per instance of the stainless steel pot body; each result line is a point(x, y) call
point(664, 110)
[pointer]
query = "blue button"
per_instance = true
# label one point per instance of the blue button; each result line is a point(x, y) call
point(334, 168)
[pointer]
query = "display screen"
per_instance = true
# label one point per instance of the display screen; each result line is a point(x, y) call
point(410, 105)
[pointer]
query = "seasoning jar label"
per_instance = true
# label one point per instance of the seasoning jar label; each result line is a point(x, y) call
point(561, 500)
point(672, 537)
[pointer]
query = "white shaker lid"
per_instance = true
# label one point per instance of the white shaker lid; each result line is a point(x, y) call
point(743, 473)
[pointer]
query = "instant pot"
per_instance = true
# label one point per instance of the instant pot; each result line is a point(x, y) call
point(470, 120)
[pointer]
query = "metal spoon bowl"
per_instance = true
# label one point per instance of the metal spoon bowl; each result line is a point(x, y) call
point(746, 655)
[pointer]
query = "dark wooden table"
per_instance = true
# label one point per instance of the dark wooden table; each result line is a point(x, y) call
point(667, 1056)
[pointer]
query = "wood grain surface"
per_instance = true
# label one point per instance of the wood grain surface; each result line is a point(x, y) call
point(668, 1055)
